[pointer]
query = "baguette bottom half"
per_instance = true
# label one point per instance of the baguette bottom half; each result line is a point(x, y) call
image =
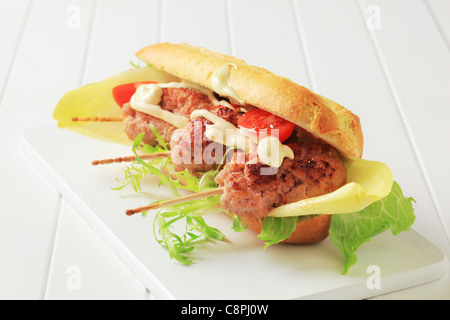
point(307, 231)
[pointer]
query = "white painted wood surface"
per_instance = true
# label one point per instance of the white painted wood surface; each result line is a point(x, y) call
point(394, 74)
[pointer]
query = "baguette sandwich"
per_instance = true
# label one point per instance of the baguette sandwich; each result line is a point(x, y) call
point(284, 161)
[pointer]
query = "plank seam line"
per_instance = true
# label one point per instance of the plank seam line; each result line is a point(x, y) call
point(400, 110)
point(436, 22)
point(51, 250)
point(302, 42)
point(16, 50)
point(49, 260)
point(89, 40)
point(159, 33)
point(230, 37)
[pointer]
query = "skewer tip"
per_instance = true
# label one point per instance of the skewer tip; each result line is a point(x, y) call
point(130, 212)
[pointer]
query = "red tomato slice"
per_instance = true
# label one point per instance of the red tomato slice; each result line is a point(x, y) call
point(123, 93)
point(264, 123)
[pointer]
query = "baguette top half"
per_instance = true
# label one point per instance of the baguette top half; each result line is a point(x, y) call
point(322, 117)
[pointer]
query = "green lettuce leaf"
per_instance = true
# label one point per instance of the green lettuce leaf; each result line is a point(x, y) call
point(349, 231)
point(275, 230)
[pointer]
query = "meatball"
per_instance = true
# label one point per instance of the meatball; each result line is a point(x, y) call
point(190, 147)
point(192, 150)
point(252, 189)
point(180, 101)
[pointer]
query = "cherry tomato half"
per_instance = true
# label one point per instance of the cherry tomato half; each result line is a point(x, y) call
point(123, 93)
point(264, 123)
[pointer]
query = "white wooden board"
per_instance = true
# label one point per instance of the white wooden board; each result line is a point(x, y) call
point(395, 77)
point(89, 266)
point(239, 269)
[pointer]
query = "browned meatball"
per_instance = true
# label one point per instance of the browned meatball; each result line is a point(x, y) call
point(190, 147)
point(253, 189)
point(192, 150)
point(180, 101)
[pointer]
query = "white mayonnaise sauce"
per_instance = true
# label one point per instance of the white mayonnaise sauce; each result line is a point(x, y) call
point(269, 149)
point(147, 98)
point(272, 152)
point(220, 82)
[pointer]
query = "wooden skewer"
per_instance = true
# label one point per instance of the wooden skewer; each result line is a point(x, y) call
point(190, 197)
point(97, 119)
point(163, 154)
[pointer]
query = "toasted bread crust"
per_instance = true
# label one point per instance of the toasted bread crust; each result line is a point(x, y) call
point(307, 231)
point(325, 119)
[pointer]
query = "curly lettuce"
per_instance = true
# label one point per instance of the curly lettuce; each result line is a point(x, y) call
point(187, 215)
point(380, 205)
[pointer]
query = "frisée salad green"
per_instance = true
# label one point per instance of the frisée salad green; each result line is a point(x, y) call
point(348, 230)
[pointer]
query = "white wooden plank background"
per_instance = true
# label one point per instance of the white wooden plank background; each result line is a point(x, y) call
point(395, 77)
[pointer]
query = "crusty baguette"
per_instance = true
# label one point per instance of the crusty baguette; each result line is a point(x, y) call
point(308, 231)
point(320, 116)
